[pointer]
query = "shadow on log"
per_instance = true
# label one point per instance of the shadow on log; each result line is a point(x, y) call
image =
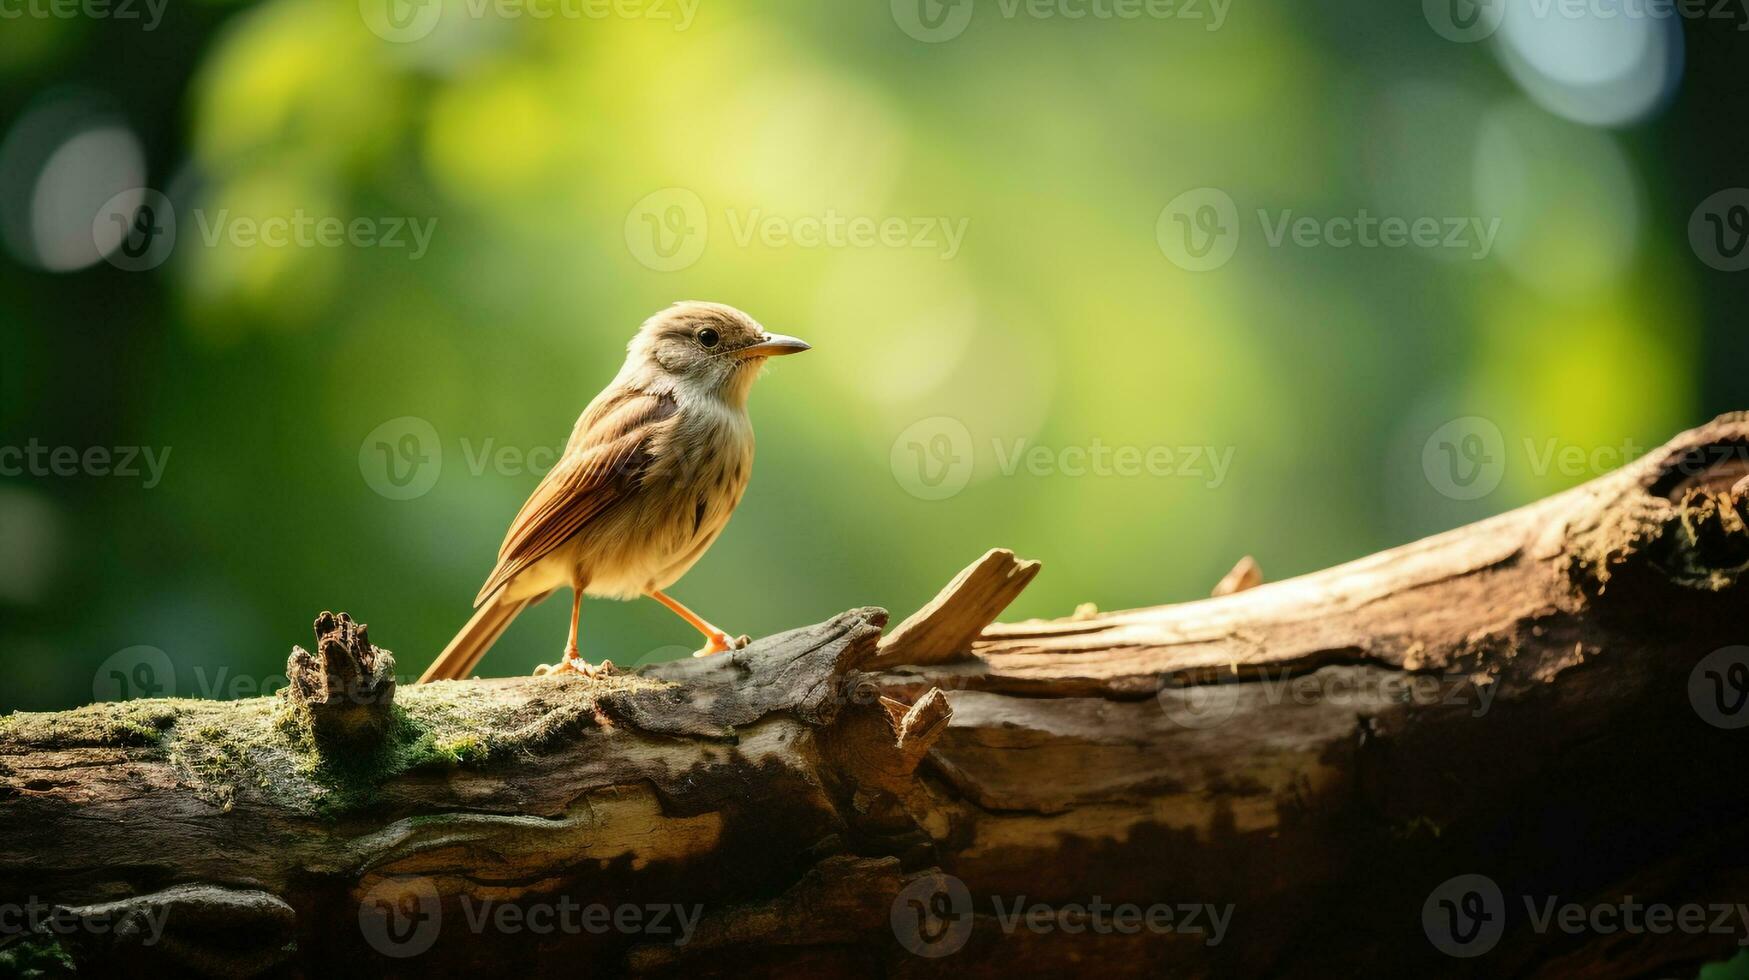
point(1400, 766)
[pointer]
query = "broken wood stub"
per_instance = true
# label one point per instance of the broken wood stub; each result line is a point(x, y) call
point(344, 689)
point(1247, 574)
point(944, 629)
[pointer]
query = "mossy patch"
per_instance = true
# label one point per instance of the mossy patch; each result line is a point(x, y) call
point(265, 747)
point(109, 724)
point(36, 956)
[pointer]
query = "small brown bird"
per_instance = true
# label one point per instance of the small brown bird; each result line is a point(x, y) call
point(652, 472)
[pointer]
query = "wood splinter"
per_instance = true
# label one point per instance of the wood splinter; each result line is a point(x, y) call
point(944, 629)
point(878, 751)
point(917, 726)
point(1245, 575)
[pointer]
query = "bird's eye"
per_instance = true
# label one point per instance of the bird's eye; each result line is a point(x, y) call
point(708, 337)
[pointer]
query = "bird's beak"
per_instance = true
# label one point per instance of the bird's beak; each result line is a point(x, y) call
point(774, 345)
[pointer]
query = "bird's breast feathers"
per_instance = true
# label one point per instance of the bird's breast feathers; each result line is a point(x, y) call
point(696, 466)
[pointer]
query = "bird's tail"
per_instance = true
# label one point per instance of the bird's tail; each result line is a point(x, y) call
point(458, 660)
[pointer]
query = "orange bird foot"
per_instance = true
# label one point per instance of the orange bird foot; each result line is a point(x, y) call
point(574, 664)
point(722, 643)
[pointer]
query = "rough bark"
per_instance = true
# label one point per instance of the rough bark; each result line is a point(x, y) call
point(1544, 699)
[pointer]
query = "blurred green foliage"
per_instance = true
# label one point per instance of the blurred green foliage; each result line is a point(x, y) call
point(530, 142)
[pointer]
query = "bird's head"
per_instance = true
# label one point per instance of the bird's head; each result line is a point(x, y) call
point(704, 349)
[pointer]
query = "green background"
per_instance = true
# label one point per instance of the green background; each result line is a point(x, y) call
point(1061, 321)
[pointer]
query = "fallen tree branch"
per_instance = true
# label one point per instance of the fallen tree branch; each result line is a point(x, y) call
point(1365, 769)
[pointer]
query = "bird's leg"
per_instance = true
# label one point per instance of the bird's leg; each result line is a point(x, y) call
point(573, 661)
point(571, 651)
point(716, 641)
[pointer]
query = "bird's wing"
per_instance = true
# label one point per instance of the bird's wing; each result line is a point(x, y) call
point(606, 457)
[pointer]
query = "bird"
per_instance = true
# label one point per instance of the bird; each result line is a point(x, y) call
point(649, 477)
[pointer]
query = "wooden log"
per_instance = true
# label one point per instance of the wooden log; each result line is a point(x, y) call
point(1396, 766)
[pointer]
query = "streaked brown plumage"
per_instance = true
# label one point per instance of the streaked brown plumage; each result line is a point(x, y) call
point(653, 469)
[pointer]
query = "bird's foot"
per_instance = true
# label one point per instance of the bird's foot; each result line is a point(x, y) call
point(573, 663)
point(722, 643)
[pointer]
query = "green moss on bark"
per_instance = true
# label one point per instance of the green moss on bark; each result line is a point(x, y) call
point(265, 748)
point(123, 723)
point(36, 956)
